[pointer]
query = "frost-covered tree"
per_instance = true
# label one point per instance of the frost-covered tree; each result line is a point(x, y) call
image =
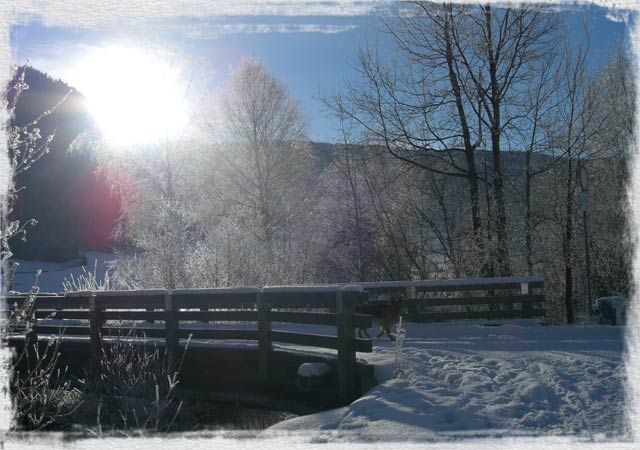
point(590, 126)
point(267, 170)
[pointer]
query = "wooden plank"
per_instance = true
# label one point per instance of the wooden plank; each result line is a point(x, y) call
point(474, 287)
point(202, 333)
point(134, 315)
point(73, 330)
point(305, 339)
point(137, 331)
point(461, 284)
point(57, 314)
point(137, 293)
point(488, 315)
point(359, 320)
point(220, 316)
point(311, 318)
point(251, 291)
point(318, 340)
point(130, 301)
point(494, 300)
point(225, 299)
point(19, 299)
point(300, 299)
point(62, 302)
point(16, 327)
point(310, 296)
point(401, 290)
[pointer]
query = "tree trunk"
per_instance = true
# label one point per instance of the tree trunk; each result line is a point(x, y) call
point(528, 225)
point(567, 247)
point(469, 148)
point(502, 253)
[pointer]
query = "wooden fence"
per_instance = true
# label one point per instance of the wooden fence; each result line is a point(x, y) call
point(464, 299)
point(104, 314)
point(186, 312)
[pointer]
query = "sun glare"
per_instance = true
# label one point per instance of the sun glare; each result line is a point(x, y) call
point(134, 96)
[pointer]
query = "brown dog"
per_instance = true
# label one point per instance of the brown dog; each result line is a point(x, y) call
point(385, 313)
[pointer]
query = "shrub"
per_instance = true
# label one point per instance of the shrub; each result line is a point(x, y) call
point(132, 388)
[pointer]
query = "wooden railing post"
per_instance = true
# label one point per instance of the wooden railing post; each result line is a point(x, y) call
point(410, 300)
point(96, 321)
point(527, 308)
point(171, 330)
point(346, 350)
point(204, 309)
point(264, 336)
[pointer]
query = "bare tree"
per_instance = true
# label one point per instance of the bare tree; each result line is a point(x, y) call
point(267, 164)
point(576, 134)
point(350, 231)
point(462, 73)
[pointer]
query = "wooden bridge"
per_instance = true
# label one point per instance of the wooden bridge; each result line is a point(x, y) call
point(250, 341)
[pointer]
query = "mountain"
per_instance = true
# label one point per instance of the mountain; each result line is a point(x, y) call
point(48, 190)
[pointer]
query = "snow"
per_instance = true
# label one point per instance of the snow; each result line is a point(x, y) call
point(320, 288)
point(316, 369)
point(136, 292)
point(54, 273)
point(473, 380)
point(216, 291)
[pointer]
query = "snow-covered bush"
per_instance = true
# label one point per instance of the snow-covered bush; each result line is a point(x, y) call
point(87, 281)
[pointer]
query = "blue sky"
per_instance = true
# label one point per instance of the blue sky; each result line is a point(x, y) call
point(311, 54)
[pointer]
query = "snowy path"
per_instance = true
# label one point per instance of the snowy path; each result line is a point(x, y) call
point(476, 380)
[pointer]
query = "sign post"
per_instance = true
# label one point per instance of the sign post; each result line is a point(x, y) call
point(583, 201)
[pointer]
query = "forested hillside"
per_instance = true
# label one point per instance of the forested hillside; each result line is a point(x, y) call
point(54, 190)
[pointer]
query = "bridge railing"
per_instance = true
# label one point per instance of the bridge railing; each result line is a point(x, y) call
point(239, 314)
point(466, 298)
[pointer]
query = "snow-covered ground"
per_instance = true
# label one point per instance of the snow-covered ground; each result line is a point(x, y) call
point(473, 380)
point(54, 273)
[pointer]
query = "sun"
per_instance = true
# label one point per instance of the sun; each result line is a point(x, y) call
point(135, 95)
